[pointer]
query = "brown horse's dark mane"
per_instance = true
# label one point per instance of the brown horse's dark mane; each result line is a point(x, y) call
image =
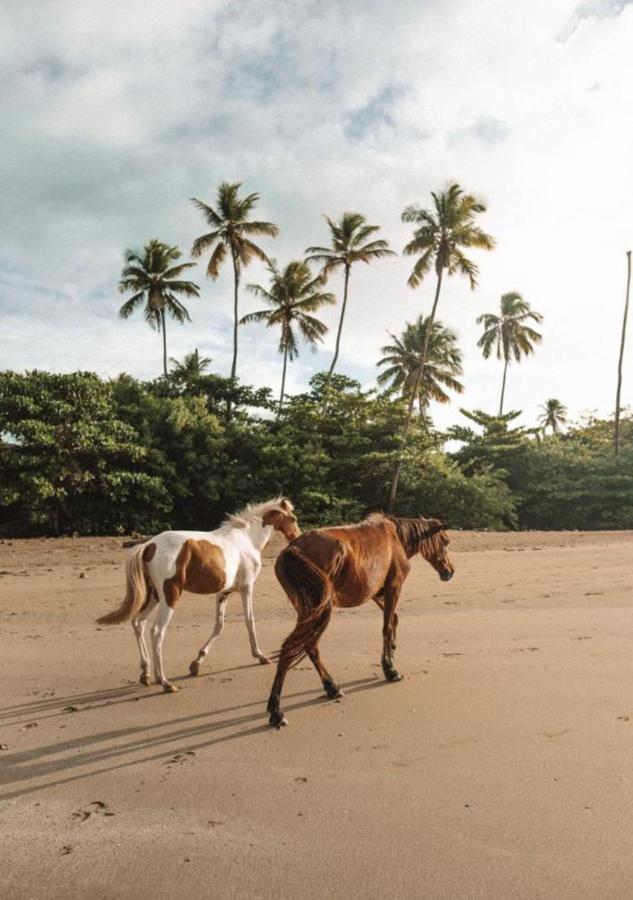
point(416, 535)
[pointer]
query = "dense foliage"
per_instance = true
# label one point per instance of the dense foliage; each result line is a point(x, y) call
point(79, 454)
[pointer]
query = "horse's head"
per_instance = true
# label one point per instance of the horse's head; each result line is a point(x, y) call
point(434, 549)
point(282, 518)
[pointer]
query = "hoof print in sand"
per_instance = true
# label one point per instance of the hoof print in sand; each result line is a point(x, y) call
point(95, 808)
point(180, 758)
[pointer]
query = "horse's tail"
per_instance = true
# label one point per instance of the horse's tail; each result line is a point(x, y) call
point(136, 589)
point(312, 594)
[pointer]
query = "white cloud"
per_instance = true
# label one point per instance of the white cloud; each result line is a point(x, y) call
point(112, 122)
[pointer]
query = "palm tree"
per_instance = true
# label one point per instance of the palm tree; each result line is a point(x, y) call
point(293, 294)
point(554, 415)
point(156, 282)
point(231, 232)
point(191, 369)
point(622, 342)
point(443, 363)
point(509, 334)
point(439, 240)
point(349, 245)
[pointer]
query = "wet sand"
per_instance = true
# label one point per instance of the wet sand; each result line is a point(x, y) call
point(500, 767)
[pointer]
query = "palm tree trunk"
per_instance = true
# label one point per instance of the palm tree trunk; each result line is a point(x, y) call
point(283, 383)
point(503, 387)
point(236, 273)
point(326, 388)
point(619, 389)
point(407, 424)
point(163, 322)
point(236, 285)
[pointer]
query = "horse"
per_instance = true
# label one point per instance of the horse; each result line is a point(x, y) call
point(221, 561)
point(346, 566)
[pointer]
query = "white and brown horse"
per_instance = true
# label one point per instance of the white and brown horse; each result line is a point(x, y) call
point(346, 566)
point(214, 562)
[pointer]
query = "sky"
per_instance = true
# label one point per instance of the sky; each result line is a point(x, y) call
point(114, 115)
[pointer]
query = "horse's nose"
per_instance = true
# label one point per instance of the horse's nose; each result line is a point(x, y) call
point(446, 575)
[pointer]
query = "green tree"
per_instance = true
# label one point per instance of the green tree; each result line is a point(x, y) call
point(350, 245)
point(231, 232)
point(553, 416)
point(157, 283)
point(443, 364)
point(499, 445)
point(69, 462)
point(294, 294)
point(189, 372)
point(509, 334)
point(440, 237)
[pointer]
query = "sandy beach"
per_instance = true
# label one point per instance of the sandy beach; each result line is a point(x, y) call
point(500, 767)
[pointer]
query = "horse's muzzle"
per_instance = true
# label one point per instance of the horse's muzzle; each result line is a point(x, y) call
point(446, 576)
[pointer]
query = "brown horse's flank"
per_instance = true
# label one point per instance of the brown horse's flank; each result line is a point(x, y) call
point(200, 569)
point(345, 566)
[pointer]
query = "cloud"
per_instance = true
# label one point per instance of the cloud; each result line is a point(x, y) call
point(486, 129)
point(111, 123)
point(594, 9)
point(379, 112)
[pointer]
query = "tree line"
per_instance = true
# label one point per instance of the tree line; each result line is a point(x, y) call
point(83, 455)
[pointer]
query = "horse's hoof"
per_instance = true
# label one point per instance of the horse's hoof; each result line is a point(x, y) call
point(169, 688)
point(394, 676)
point(145, 679)
point(264, 661)
point(277, 720)
point(194, 668)
point(333, 692)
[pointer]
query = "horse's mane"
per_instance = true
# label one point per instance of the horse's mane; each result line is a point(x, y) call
point(416, 535)
point(254, 511)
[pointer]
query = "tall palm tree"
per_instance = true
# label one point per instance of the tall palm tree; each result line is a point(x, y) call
point(157, 283)
point(293, 295)
point(554, 415)
point(509, 334)
point(191, 369)
point(443, 363)
point(622, 342)
point(349, 245)
point(231, 230)
point(440, 237)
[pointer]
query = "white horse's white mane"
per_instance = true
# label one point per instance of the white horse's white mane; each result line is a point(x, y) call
point(257, 511)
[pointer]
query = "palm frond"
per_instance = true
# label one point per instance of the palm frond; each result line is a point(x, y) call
point(265, 228)
point(216, 259)
point(213, 219)
point(205, 242)
point(420, 269)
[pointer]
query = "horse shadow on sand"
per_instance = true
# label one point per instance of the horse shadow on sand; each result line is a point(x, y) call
point(186, 734)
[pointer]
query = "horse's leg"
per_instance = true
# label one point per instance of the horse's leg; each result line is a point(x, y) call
point(286, 656)
point(165, 612)
point(391, 597)
point(329, 686)
point(220, 609)
point(138, 624)
point(277, 718)
point(381, 604)
point(247, 602)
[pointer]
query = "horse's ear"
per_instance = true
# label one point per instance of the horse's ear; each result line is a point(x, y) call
point(285, 504)
point(437, 525)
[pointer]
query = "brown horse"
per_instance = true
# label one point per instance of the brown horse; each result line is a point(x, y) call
point(347, 566)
